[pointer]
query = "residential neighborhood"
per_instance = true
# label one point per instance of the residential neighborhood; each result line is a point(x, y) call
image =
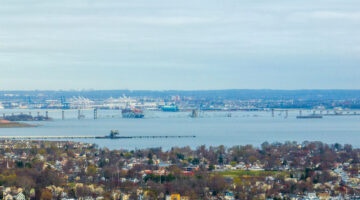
point(74, 170)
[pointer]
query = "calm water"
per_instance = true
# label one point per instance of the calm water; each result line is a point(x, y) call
point(212, 128)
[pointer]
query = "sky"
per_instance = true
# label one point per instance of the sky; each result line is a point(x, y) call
point(179, 45)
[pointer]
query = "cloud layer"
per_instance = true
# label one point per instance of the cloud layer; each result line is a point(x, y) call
point(179, 45)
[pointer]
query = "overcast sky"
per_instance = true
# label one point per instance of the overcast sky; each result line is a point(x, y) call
point(186, 45)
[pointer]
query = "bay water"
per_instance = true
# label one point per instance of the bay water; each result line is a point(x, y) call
point(210, 128)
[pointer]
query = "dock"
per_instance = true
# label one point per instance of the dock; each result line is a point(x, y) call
point(144, 137)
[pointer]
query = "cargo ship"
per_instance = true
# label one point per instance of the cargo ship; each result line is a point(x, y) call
point(170, 108)
point(132, 113)
point(313, 116)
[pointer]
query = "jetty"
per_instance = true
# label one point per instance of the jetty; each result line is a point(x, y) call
point(114, 134)
point(17, 137)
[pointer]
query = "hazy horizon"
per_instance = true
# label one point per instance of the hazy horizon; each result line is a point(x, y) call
point(179, 45)
point(240, 89)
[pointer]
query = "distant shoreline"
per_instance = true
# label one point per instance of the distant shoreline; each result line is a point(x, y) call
point(9, 124)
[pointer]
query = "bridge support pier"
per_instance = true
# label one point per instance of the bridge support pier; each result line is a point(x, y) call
point(95, 113)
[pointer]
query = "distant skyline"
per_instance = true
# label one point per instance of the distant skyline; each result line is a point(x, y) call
point(179, 45)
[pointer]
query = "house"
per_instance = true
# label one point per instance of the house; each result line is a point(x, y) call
point(229, 196)
point(172, 197)
point(311, 196)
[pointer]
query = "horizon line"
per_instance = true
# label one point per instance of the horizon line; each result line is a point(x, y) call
point(164, 90)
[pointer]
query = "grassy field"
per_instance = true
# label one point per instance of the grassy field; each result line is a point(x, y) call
point(237, 173)
point(240, 175)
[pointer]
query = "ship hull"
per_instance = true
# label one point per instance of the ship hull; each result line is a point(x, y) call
point(132, 113)
point(309, 117)
point(170, 109)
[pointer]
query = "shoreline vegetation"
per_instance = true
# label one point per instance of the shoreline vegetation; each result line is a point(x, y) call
point(10, 124)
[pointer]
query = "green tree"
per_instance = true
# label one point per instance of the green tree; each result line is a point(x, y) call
point(91, 170)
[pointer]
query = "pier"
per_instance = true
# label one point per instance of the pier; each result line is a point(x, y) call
point(15, 137)
point(91, 137)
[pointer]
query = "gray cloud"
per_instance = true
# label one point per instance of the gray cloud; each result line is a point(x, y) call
point(240, 44)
